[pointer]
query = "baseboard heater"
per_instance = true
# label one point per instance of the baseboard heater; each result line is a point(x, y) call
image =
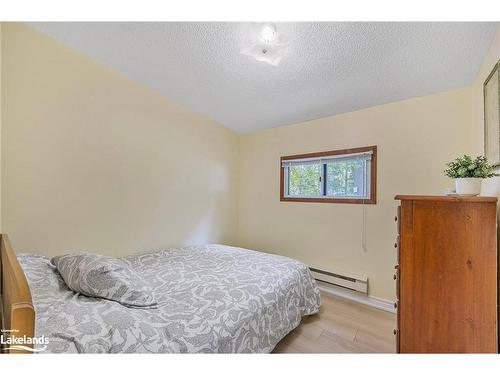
point(356, 284)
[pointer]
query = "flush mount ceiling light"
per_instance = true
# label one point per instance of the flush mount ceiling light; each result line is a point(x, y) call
point(265, 44)
point(268, 33)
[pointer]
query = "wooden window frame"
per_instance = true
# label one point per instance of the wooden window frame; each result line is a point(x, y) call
point(373, 177)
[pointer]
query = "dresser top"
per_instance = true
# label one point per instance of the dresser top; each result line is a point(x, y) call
point(445, 198)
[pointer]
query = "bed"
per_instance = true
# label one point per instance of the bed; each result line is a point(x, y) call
point(211, 299)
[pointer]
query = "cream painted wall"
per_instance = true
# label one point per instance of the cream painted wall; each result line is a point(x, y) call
point(414, 138)
point(93, 161)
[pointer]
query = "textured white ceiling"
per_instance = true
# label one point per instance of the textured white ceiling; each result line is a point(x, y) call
point(327, 68)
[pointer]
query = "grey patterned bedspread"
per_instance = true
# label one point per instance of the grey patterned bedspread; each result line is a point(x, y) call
point(211, 299)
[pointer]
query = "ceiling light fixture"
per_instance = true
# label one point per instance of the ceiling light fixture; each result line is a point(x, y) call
point(265, 44)
point(268, 33)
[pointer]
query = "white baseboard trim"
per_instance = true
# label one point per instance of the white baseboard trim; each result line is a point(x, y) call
point(376, 302)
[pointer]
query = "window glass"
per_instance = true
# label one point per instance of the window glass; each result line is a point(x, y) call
point(304, 180)
point(346, 178)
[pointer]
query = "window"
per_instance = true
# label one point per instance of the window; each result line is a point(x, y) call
point(341, 176)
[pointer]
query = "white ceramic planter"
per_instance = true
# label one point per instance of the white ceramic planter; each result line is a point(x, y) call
point(468, 186)
point(490, 186)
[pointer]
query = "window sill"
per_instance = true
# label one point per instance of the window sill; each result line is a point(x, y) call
point(329, 200)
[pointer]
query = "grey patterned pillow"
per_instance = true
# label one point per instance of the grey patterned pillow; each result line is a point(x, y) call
point(104, 277)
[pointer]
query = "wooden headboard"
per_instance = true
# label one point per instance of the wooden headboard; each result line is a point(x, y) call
point(16, 306)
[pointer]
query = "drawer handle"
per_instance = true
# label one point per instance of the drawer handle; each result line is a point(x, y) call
point(395, 218)
point(395, 305)
point(395, 277)
point(395, 331)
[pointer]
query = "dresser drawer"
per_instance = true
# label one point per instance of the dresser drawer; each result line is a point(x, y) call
point(397, 246)
point(397, 218)
point(396, 278)
point(396, 334)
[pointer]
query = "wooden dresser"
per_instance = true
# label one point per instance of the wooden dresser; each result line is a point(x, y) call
point(446, 274)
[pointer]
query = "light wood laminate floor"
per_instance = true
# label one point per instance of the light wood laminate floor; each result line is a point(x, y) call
point(342, 326)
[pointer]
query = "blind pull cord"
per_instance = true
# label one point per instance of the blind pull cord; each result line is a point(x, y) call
point(363, 235)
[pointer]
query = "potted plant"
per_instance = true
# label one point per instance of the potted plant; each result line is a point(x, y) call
point(468, 173)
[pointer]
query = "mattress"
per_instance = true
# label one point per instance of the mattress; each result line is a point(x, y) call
point(211, 299)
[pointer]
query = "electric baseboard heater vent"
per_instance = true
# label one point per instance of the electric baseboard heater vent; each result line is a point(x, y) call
point(357, 284)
